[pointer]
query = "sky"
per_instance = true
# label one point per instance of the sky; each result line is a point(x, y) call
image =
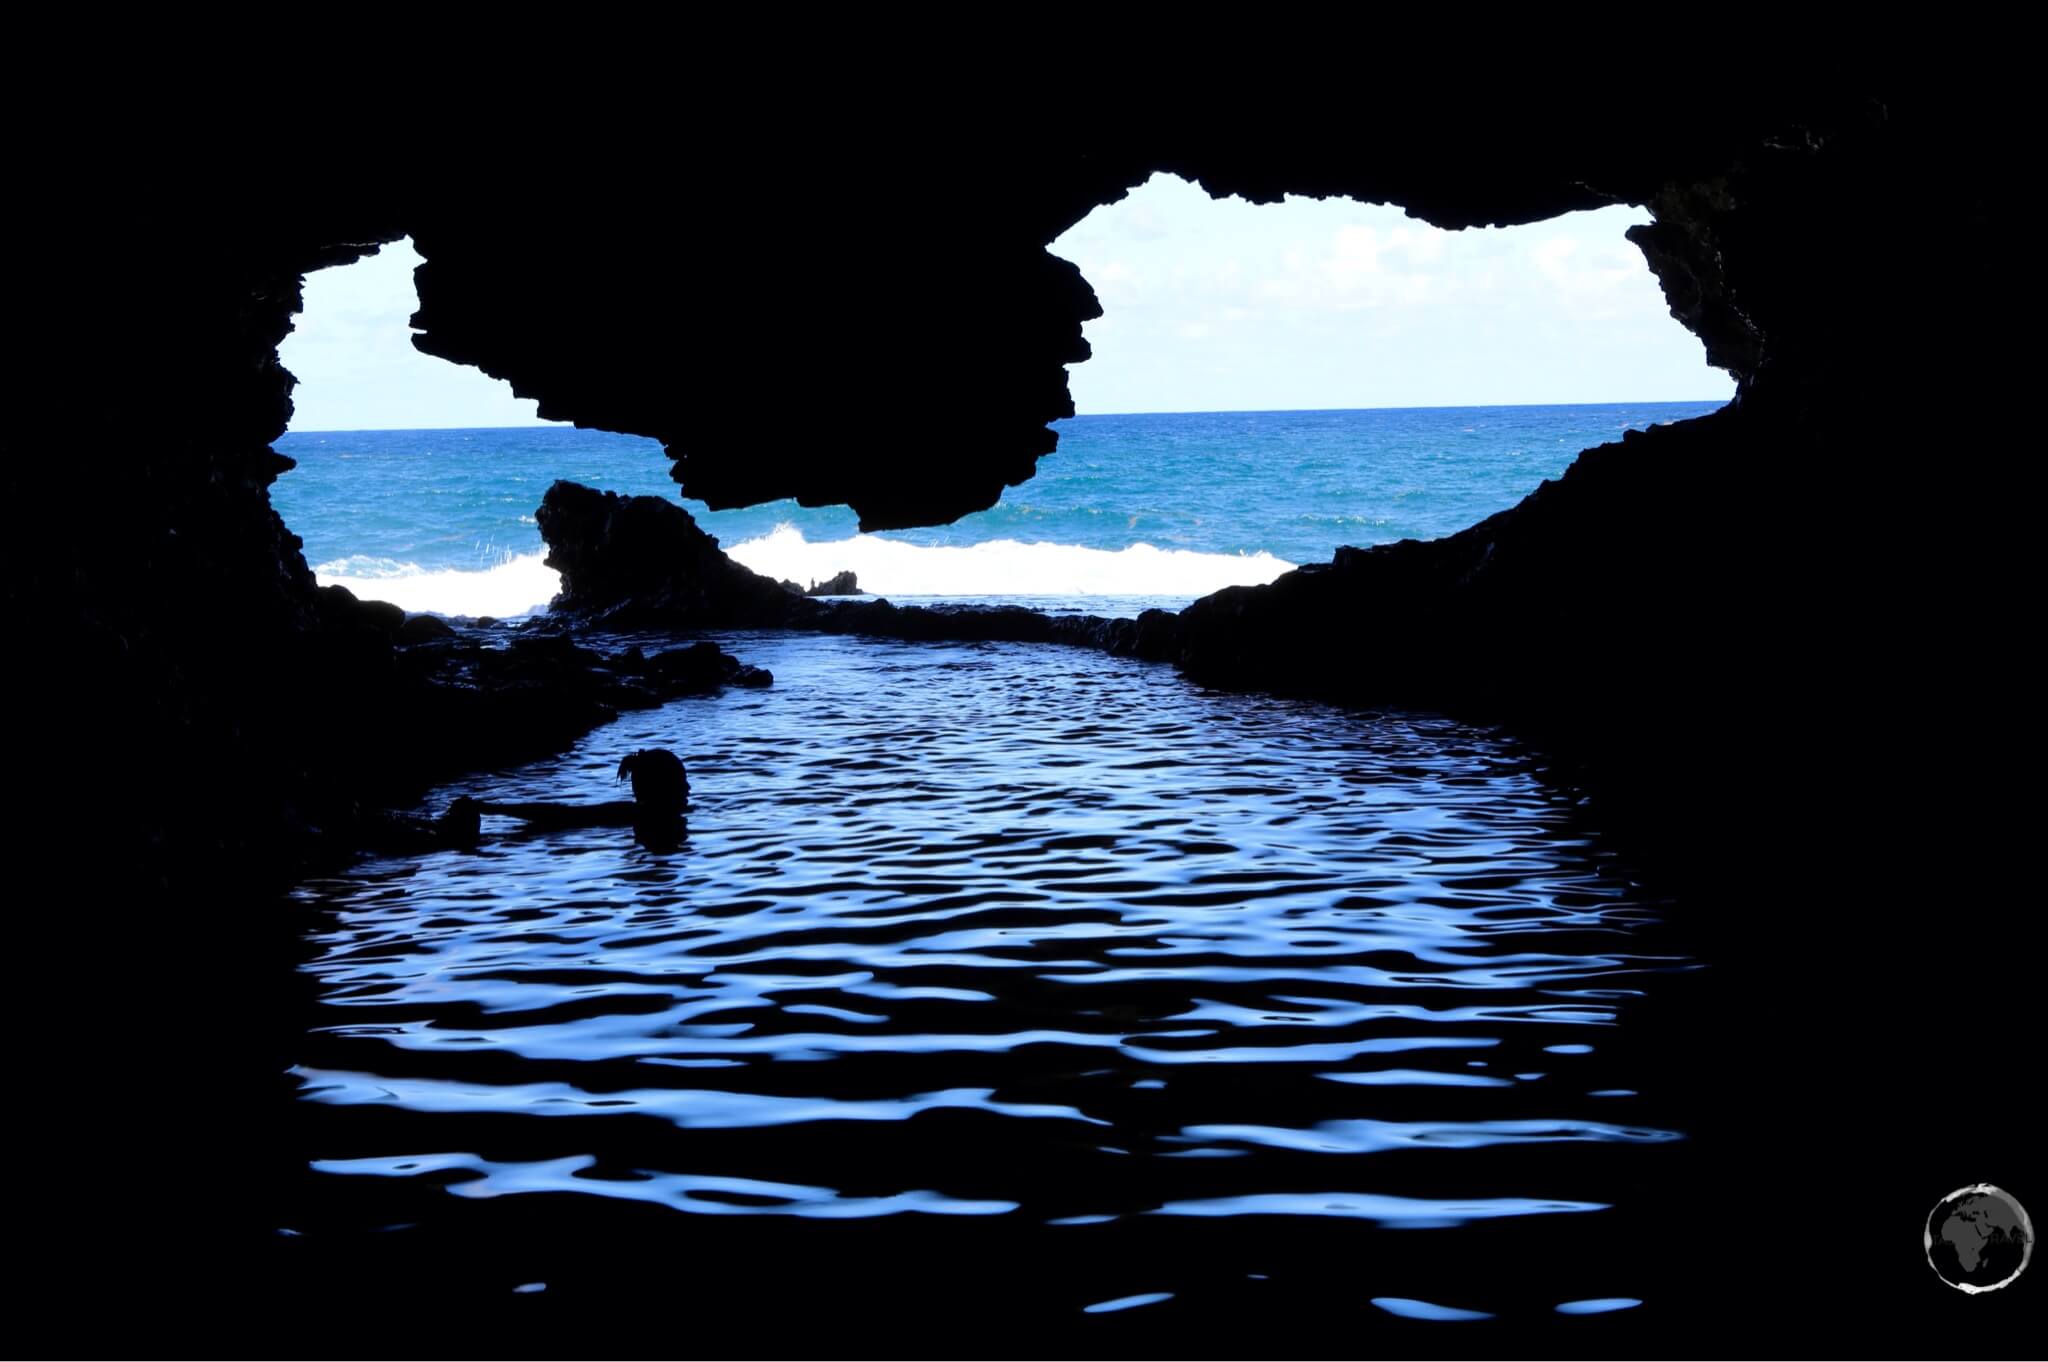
point(351, 350)
point(1224, 305)
point(1209, 305)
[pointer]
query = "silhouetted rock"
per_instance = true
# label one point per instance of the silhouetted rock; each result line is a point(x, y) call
point(341, 611)
point(628, 562)
point(699, 668)
point(641, 562)
point(840, 584)
point(418, 628)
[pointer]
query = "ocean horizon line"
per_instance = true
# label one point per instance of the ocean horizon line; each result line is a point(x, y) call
point(1093, 415)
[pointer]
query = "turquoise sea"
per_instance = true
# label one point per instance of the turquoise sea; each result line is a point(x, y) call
point(1129, 510)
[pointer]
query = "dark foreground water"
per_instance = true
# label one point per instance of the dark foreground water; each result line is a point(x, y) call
point(1005, 989)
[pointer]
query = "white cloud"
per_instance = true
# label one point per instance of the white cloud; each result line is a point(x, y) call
point(1223, 304)
point(351, 350)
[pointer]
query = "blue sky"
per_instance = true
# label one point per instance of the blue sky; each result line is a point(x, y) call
point(1209, 305)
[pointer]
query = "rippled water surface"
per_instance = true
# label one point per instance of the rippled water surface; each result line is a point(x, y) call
point(1143, 990)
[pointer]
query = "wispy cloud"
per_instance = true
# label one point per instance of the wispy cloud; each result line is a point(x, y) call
point(1218, 304)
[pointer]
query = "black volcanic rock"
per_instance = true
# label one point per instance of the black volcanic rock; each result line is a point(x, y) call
point(342, 612)
point(1518, 616)
point(698, 668)
point(642, 562)
point(839, 584)
point(632, 561)
point(420, 628)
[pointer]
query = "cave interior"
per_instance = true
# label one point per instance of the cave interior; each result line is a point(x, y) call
point(1769, 640)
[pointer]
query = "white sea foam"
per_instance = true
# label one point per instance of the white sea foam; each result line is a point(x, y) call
point(517, 586)
point(886, 567)
point(1003, 567)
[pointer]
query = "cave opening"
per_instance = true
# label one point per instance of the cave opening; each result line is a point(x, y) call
point(417, 479)
point(1326, 372)
point(1269, 382)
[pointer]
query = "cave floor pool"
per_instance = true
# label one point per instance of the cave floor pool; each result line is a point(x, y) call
point(1007, 989)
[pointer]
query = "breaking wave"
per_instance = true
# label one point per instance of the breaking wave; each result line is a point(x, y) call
point(886, 567)
point(521, 585)
point(1003, 567)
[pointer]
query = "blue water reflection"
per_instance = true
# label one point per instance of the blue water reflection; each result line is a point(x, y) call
point(1030, 935)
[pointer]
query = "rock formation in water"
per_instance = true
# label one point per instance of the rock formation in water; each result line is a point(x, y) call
point(839, 584)
point(632, 561)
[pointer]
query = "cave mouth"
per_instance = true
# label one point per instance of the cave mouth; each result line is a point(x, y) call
point(1269, 382)
point(416, 479)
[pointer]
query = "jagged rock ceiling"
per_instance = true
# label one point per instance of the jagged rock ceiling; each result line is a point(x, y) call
point(869, 316)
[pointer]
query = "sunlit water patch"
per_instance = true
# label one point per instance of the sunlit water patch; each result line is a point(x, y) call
point(1035, 938)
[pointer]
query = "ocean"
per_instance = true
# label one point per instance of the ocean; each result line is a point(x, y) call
point(1128, 512)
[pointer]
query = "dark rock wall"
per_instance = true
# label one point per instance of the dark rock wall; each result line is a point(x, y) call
point(643, 561)
point(887, 334)
point(192, 649)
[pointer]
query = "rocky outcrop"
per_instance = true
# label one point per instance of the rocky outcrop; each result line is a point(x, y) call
point(1148, 635)
point(629, 562)
point(839, 584)
point(643, 563)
